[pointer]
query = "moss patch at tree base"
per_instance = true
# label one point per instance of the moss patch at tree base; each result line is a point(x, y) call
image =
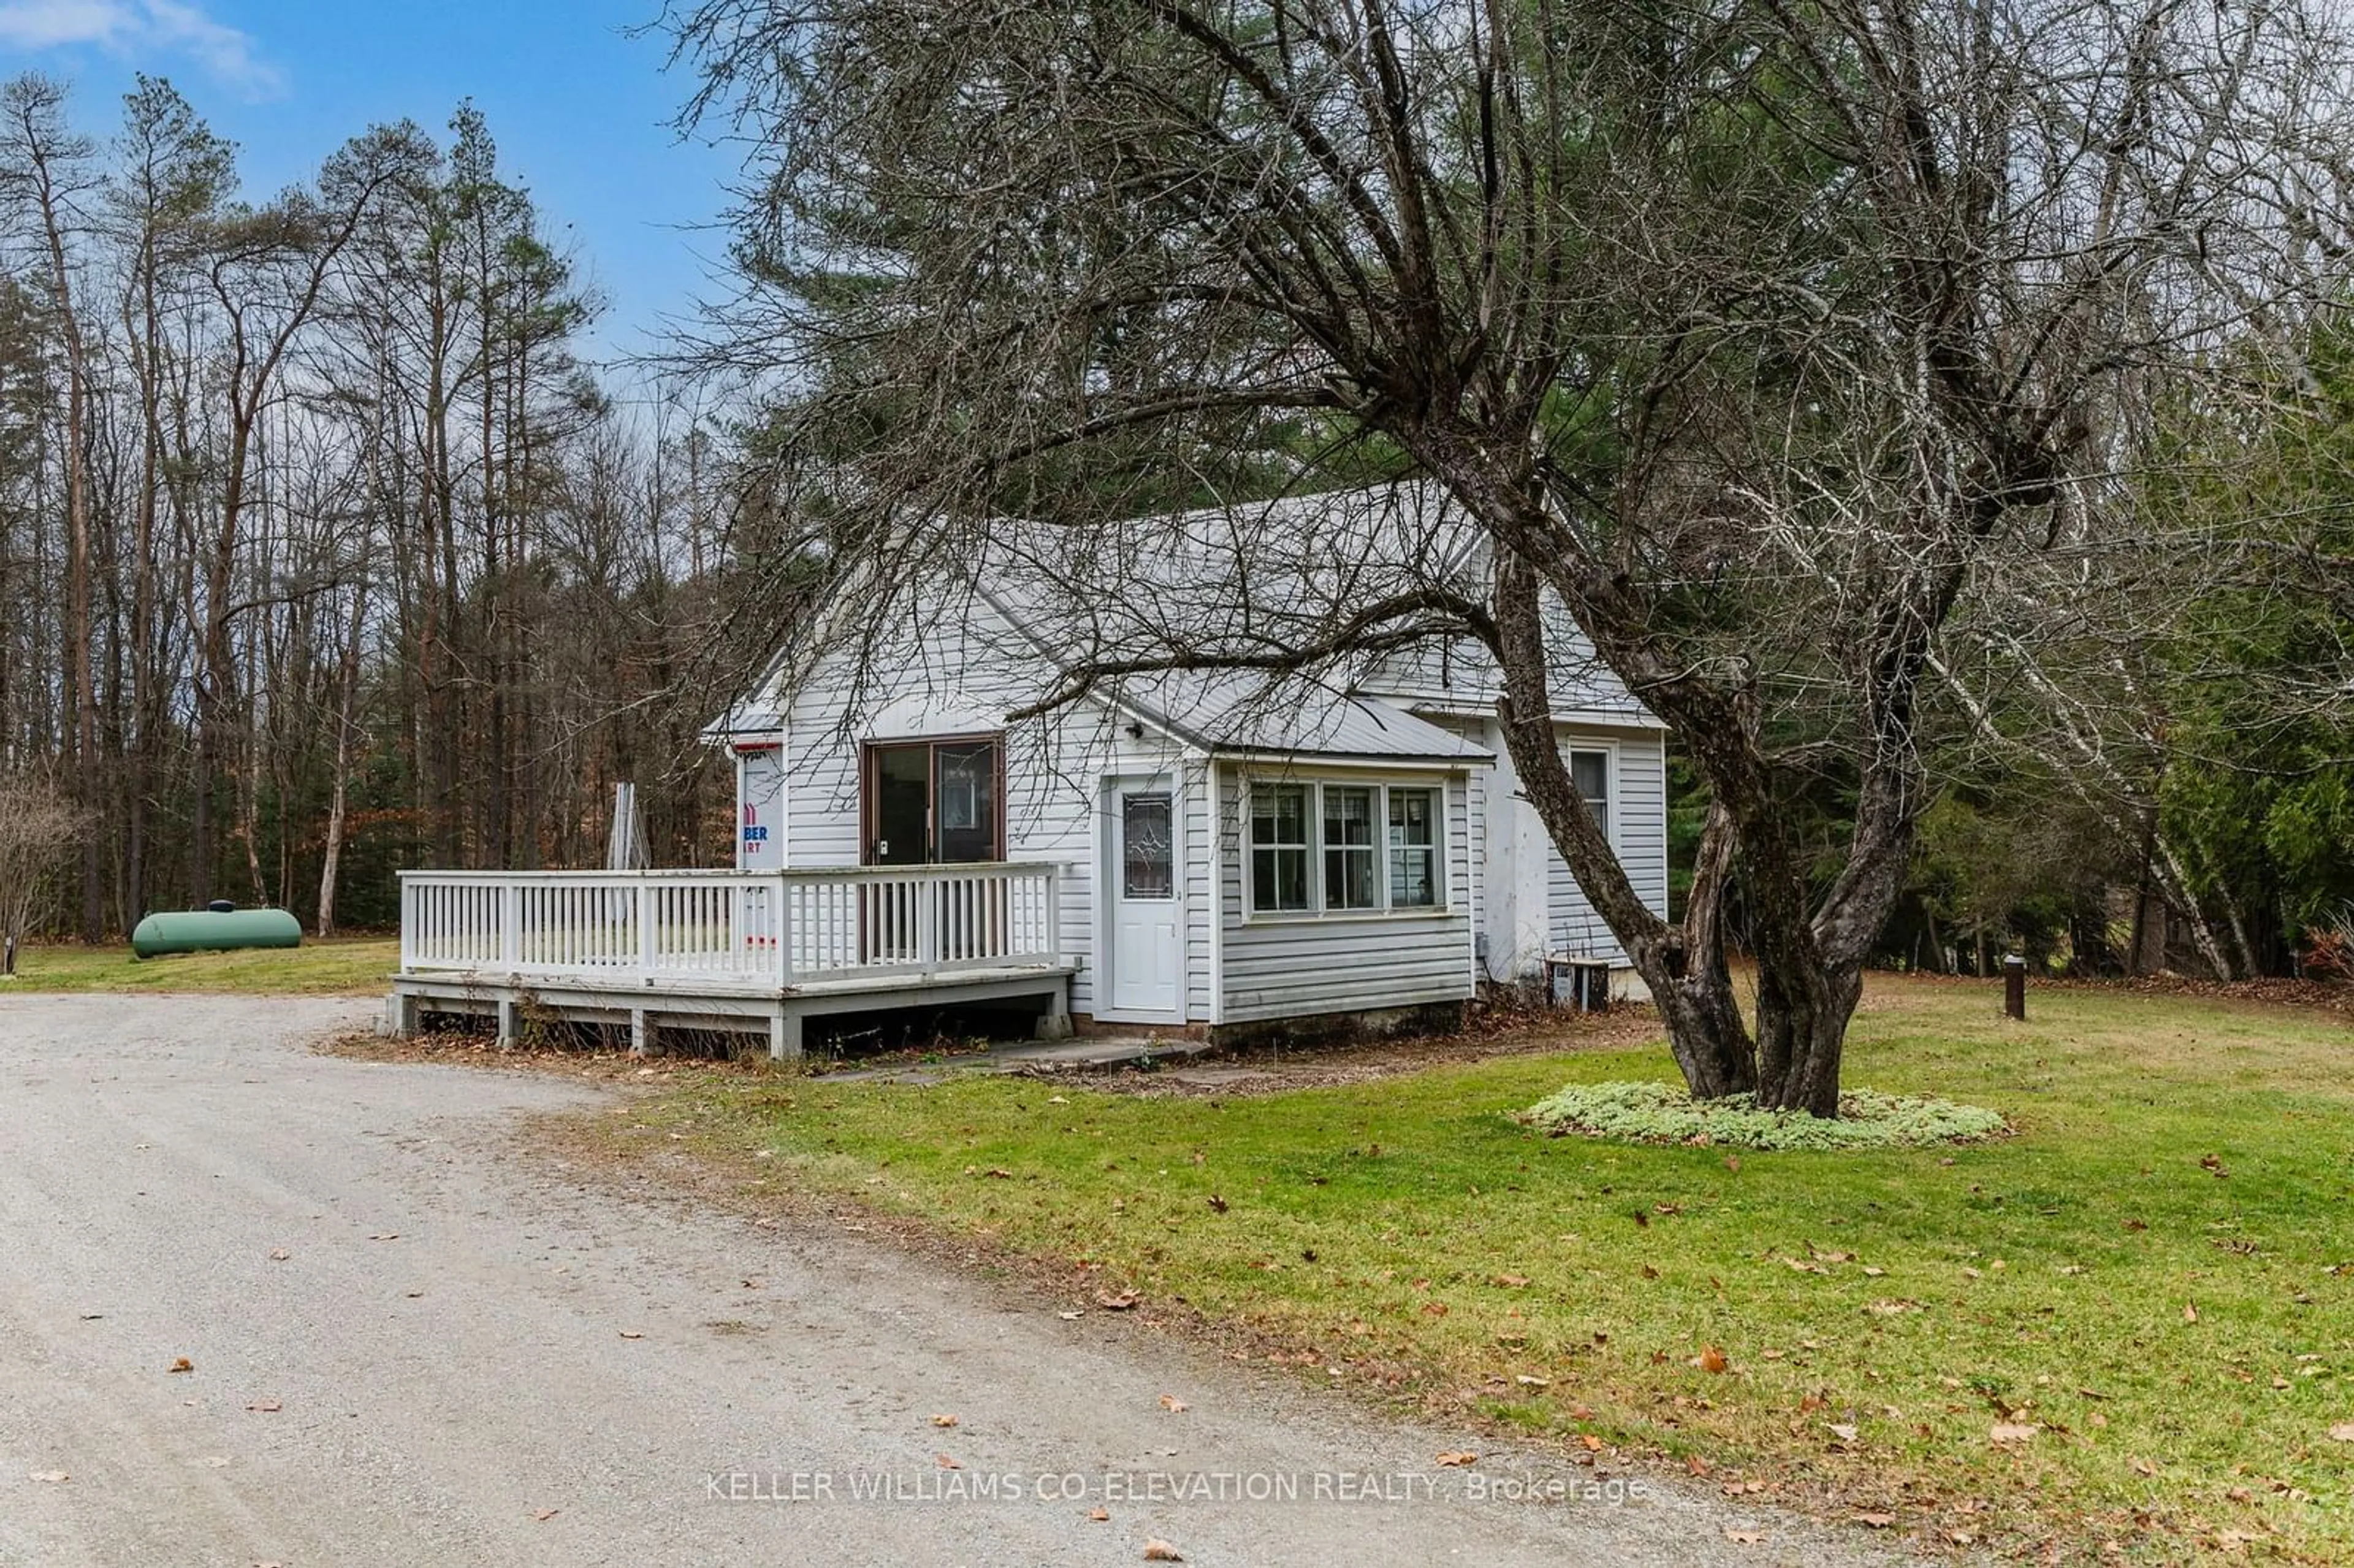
point(1666, 1113)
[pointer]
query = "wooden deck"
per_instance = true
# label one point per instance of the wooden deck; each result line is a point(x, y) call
point(754, 951)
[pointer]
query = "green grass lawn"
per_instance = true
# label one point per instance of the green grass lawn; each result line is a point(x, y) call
point(2155, 1273)
point(342, 966)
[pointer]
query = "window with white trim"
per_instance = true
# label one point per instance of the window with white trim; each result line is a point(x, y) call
point(1278, 836)
point(1351, 876)
point(1413, 849)
point(1590, 771)
point(1341, 848)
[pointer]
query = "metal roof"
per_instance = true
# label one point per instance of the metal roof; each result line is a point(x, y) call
point(1231, 714)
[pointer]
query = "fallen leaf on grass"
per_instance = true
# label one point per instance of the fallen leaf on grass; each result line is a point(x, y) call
point(1159, 1550)
point(1593, 1443)
point(267, 1406)
point(1876, 1521)
point(2189, 1313)
point(1120, 1302)
point(1171, 1403)
point(1712, 1359)
point(1218, 1204)
point(2013, 1431)
point(1511, 1281)
point(2342, 1432)
point(1843, 1430)
point(54, 1477)
point(182, 1365)
point(1070, 1316)
point(1456, 1457)
point(1529, 1380)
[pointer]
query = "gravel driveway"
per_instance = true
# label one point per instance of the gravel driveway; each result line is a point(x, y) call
point(410, 1348)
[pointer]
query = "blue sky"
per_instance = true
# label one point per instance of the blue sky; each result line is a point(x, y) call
point(578, 107)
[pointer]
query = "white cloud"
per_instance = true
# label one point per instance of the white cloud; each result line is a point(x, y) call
point(140, 31)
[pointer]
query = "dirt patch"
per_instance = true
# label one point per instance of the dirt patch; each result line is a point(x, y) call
point(1275, 1069)
point(455, 1049)
point(1259, 1069)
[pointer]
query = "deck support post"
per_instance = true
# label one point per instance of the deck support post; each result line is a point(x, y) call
point(510, 1024)
point(785, 1035)
point(1054, 1023)
point(641, 1032)
point(402, 1015)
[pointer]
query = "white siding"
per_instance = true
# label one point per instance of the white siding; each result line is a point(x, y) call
point(1201, 849)
point(1304, 965)
point(963, 674)
point(1638, 829)
point(963, 677)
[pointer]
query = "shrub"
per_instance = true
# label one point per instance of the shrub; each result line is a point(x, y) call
point(1666, 1113)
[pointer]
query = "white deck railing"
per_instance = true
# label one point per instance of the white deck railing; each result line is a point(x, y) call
point(750, 929)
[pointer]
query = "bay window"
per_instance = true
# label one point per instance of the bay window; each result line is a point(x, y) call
point(1340, 848)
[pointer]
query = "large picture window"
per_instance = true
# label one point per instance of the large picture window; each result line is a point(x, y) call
point(1341, 848)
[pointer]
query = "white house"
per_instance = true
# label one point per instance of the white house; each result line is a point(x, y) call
point(1219, 852)
point(1230, 854)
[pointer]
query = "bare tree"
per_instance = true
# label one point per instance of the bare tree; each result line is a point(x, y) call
point(45, 167)
point(1749, 336)
point(37, 825)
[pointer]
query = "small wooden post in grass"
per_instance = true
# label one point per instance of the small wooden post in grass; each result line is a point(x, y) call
point(2014, 986)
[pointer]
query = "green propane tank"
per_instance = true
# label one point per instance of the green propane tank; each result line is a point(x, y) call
point(214, 930)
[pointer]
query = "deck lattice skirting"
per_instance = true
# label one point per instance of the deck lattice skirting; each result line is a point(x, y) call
point(729, 949)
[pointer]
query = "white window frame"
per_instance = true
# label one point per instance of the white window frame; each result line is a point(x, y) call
point(1608, 752)
point(1382, 908)
point(1311, 836)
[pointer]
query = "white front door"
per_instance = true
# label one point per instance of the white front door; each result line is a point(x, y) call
point(1144, 935)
